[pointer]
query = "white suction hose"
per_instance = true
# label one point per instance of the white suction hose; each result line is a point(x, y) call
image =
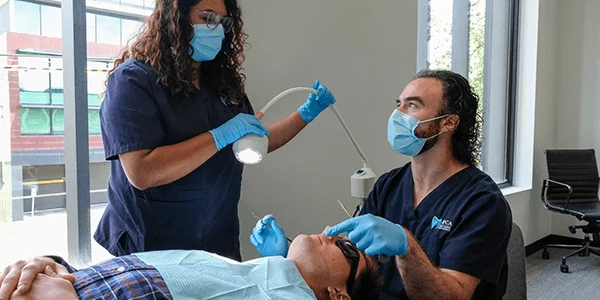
point(333, 109)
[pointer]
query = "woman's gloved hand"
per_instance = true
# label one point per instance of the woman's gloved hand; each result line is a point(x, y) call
point(268, 237)
point(236, 128)
point(315, 104)
point(374, 235)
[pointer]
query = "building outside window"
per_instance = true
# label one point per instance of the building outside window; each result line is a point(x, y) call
point(32, 119)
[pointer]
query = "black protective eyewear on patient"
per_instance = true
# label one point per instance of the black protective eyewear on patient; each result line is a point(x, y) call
point(351, 252)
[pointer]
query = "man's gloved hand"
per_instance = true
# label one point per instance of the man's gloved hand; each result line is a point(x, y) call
point(268, 237)
point(236, 128)
point(374, 235)
point(315, 104)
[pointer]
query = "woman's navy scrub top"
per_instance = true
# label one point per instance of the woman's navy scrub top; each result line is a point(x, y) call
point(198, 211)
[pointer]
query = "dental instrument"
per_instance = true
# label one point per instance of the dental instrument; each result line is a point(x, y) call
point(267, 224)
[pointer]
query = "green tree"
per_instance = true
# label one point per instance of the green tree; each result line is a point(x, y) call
point(476, 46)
point(440, 39)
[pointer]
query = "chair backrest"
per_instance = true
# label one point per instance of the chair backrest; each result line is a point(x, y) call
point(576, 168)
point(516, 285)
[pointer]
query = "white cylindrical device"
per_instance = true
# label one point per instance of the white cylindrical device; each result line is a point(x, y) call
point(361, 182)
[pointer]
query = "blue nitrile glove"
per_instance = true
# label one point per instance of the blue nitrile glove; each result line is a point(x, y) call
point(236, 128)
point(315, 104)
point(374, 235)
point(268, 238)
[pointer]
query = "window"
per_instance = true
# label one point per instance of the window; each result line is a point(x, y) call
point(106, 1)
point(133, 3)
point(29, 156)
point(129, 29)
point(96, 80)
point(149, 3)
point(108, 30)
point(480, 48)
point(91, 27)
point(51, 21)
point(42, 95)
point(29, 20)
point(440, 36)
point(33, 121)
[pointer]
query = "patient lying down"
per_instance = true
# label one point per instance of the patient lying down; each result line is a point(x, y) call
point(317, 267)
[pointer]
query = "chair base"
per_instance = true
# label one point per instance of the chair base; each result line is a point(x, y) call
point(584, 250)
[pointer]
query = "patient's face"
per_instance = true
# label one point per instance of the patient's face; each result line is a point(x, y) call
point(321, 261)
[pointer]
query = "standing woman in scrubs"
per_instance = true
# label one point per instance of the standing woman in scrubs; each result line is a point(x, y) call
point(174, 104)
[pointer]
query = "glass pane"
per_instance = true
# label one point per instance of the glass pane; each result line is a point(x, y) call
point(96, 80)
point(108, 30)
point(28, 18)
point(58, 121)
point(34, 97)
point(133, 3)
point(32, 196)
point(35, 121)
point(56, 81)
point(34, 83)
point(476, 47)
point(108, 1)
point(99, 167)
point(130, 29)
point(149, 3)
point(440, 34)
point(94, 121)
point(91, 27)
point(51, 21)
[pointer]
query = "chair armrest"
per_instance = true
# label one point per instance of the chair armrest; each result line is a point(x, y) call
point(545, 190)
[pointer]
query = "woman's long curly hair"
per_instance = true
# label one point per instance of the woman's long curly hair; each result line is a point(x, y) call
point(163, 42)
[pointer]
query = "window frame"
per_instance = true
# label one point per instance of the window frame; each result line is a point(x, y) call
point(460, 28)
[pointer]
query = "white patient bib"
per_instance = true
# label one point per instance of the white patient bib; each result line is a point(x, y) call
point(202, 275)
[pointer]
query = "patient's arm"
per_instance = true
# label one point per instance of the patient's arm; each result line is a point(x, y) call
point(48, 286)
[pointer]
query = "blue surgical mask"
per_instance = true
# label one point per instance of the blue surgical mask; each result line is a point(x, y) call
point(401, 133)
point(206, 43)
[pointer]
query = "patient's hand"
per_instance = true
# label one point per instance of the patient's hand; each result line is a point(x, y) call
point(48, 285)
point(21, 274)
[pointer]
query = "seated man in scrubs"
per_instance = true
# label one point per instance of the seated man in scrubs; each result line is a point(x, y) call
point(317, 267)
point(444, 222)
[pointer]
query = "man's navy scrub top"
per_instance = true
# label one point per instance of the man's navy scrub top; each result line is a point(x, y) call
point(464, 225)
point(198, 211)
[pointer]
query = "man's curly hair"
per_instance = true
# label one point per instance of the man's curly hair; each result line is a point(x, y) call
point(163, 42)
point(461, 100)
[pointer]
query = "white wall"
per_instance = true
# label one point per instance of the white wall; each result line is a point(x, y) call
point(567, 100)
point(365, 53)
point(578, 78)
point(535, 114)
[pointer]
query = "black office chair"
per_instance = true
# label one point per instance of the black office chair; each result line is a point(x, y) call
point(572, 188)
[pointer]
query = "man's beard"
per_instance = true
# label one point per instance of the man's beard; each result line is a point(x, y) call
point(433, 130)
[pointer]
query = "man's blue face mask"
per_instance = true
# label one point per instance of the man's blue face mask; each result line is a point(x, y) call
point(401, 133)
point(206, 43)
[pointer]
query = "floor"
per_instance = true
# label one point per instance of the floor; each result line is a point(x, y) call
point(44, 233)
point(546, 281)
